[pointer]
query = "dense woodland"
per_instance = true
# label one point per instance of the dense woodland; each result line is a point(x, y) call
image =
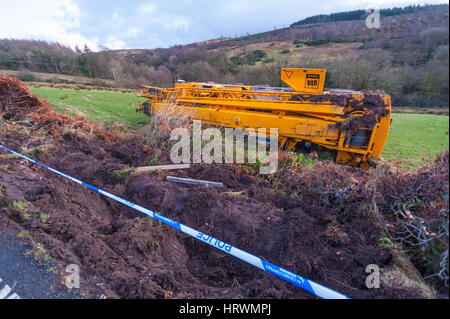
point(407, 57)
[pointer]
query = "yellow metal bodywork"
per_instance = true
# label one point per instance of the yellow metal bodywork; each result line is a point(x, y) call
point(240, 106)
point(304, 80)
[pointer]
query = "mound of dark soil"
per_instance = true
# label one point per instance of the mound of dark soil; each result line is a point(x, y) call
point(15, 99)
point(132, 256)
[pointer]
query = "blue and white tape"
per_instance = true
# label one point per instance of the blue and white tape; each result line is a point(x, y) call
point(306, 284)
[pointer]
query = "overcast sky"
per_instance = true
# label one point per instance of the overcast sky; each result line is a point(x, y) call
point(149, 24)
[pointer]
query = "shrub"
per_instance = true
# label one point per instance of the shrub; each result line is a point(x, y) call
point(157, 132)
point(26, 77)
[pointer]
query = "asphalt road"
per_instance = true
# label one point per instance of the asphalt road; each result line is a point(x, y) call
point(22, 277)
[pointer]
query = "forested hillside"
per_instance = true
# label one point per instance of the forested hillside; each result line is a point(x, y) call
point(359, 14)
point(407, 57)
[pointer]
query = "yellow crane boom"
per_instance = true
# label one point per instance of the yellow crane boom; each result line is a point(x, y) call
point(354, 125)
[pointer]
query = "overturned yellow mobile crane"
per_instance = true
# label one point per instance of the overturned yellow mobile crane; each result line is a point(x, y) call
point(354, 125)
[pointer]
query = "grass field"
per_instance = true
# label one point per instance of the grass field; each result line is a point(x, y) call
point(416, 136)
point(412, 136)
point(107, 108)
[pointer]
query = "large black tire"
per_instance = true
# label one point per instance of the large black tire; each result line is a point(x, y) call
point(147, 108)
point(360, 138)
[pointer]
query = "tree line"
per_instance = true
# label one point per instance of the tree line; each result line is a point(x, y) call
point(359, 14)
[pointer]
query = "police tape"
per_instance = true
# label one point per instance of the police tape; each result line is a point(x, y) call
point(306, 284)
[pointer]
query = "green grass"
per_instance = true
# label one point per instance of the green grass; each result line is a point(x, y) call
point(44, 217)
point(416, 136)
point(19, 204)
point(105, 107)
